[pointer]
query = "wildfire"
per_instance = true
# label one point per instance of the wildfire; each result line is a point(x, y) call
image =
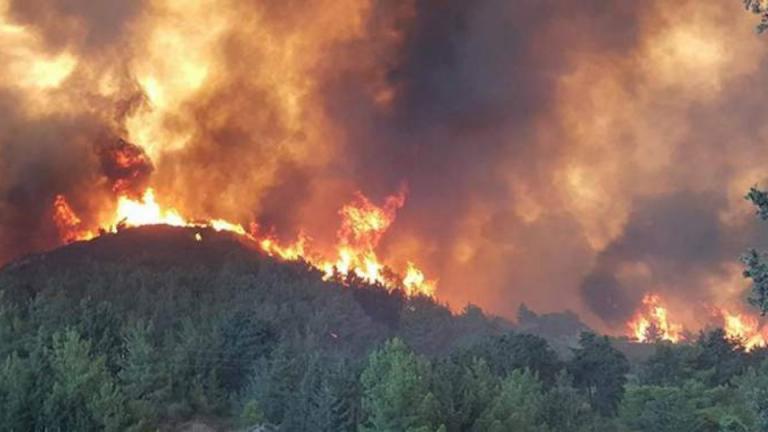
point(652, 322)
point(744, 328)
point(67, 222)
point(362, 227)
point(145, 211)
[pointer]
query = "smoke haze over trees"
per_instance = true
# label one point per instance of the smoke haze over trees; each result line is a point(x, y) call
point(553, 155)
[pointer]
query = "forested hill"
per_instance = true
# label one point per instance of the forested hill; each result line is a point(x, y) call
point(155, 327)
point(172, 276)
point(201, 308)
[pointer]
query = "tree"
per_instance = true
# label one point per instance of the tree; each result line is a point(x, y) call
point(720, 357)
point(16, 404)
point(512, 351)
point(396, 391)
point(519, 406)
point(83, 396)
point(669, 365)
point(599, 370)
point(242, 339)
point(753, 386)
point(565, 408)
point(145, 381)
point(658, 409)
point(465, 389)
point(756, 265)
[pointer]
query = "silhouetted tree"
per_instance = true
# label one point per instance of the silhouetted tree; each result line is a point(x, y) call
point(600, 371)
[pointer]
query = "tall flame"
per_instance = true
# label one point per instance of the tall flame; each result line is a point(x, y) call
point(652, 322)
point(67, 222)
point(362, 227)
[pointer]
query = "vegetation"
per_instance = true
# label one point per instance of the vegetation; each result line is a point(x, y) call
point(92, 339)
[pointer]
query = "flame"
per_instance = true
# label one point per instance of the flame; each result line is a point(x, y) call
point(744, 328)
point(145, 211)
point(67, 222)
point(653, 320)
point(363, 225)
point(272, 246)
point(415, 282)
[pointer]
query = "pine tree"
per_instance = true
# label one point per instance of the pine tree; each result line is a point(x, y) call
point(16, 407)
point(519, 406)
point(143, 376)
point(83, 396)
point(599, 370)
point(396, 391)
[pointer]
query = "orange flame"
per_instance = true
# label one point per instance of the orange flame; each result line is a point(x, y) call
point(744, 328)
point(67, 222)
point(363, 225)
point(652, 322)
point(145, 211)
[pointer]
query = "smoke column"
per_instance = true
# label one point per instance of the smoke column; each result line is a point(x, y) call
point(566, 155)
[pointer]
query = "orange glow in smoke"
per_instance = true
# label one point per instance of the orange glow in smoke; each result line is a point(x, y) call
point(652, 322)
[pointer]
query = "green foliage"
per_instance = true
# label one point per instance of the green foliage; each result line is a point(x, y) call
point(753, 388)
point(755, 265)
point(140, 344)
point(512, 351)
point(565, 408)
point(143, 375)
point(519, 406)
point(252, 414)
point(690, 407)
point(83, 396)
point(396, 391)
point(719, 357)
point(599, 370)
point(16, 403)
point(669, 365)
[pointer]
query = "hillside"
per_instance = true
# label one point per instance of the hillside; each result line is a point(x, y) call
point(178, 328)
point(212, 304)
point(170, 274)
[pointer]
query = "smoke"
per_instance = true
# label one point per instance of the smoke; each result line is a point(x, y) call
point(568, 157)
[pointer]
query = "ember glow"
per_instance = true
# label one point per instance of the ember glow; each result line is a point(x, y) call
point(652, 322)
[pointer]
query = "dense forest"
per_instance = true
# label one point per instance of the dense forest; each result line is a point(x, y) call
point(151, 329)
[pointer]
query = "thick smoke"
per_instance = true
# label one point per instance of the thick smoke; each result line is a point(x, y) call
point(568, 156)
